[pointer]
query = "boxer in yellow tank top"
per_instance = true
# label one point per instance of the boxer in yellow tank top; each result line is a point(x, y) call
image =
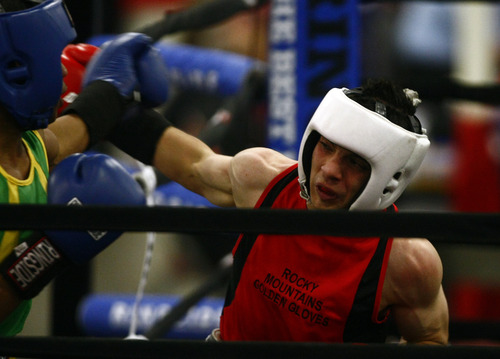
point(33, 189)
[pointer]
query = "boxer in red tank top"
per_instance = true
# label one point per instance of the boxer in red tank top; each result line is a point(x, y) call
point(360, 150)
point(336, 300)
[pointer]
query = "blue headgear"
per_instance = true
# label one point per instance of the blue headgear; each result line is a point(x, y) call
point(31, 43)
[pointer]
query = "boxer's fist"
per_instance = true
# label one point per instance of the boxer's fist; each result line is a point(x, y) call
point(75, 59)
point(90, 180)
point(130, 62)
point(116, 62)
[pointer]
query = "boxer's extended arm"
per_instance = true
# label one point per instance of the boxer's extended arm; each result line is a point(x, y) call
point(190, 162)
point(223, 180)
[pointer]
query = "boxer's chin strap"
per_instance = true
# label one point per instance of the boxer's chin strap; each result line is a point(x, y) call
point(147, 179)
point(304, 194)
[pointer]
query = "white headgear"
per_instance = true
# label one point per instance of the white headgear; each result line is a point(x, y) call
point(394, 153)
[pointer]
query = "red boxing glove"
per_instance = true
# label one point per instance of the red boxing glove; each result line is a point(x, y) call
point(75, 58)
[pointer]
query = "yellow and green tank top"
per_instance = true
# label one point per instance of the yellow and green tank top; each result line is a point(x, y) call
point(32, 190)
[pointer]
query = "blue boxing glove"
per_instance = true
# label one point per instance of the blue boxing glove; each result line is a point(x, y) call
point(130, 62)
point(116, 62)
point(79, 179)
point(90, 179)
point(112, 76)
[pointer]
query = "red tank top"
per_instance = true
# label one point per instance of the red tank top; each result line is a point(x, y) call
point(304, 287)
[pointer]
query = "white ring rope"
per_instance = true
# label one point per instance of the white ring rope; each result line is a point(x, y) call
point(147, 178)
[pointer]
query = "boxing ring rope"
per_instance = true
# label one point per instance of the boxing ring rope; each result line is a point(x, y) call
point(76, 348)
point(468, 228)
point(198, 17)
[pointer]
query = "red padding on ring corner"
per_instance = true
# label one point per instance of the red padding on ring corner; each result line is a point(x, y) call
point(475, 184)
point(472, 301)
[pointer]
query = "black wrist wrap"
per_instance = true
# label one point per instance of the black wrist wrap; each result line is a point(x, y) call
point(101, 107)
point(32, 265)
point(139, 132)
